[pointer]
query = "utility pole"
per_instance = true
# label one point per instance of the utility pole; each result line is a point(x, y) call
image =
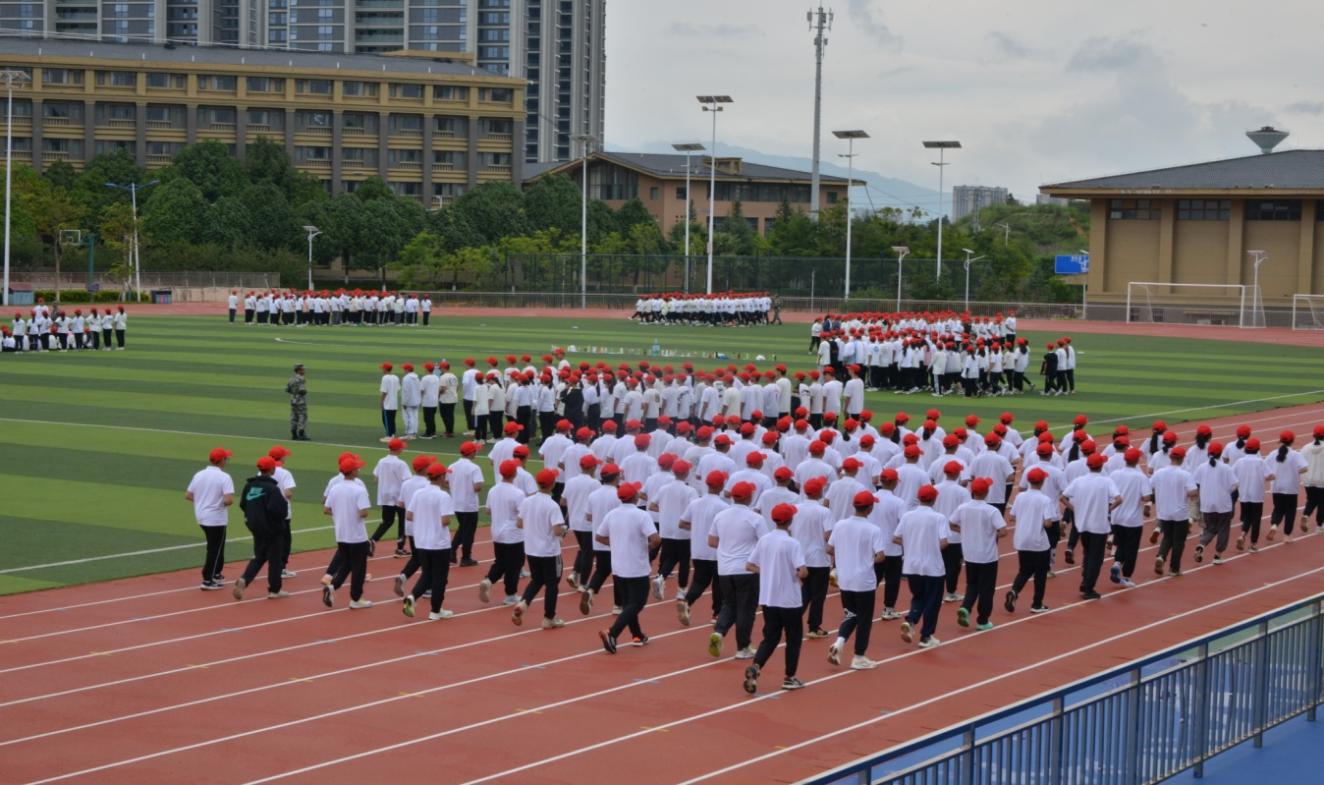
point(820, 21)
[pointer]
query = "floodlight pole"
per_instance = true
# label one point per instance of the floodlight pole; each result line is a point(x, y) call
point(688, 148)
point(941, 146)
point(901, 252)
point(714, 104)
point(10, 76)
point(850, 137)
point(135, 254)
point(312, 231)
point(1259, 258)
point(584, 139)
point(969, 259)
point(1085, 287)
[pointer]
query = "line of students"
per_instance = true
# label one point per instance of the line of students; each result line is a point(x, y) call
point(44, 330)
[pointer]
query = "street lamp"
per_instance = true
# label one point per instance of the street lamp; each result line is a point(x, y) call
point(901, 251)
point(687, 148)
point(1259, 258)
point(969, 259)
point(134, 252)
point(941, 147)
point(1085, 285)
point(584, 140)
point(312, 231)
point(714, 104)
point(11, 77)
point(1006, 233)
point(850, 137)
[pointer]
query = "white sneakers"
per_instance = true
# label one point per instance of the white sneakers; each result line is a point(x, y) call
point(746, 653)
point(552, 624)
point(441, 614)
point(658, 584)
point(485, 590)
point(834, 654)
point(357, 604)
point(683, 611)
point(860, 663)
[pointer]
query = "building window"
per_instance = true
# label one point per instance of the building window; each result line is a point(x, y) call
point(449, 93)
point(360, 156)
point(106, 147)
point(413, 189)
point(1273, 210)
point(312, 86)
point(163, 81)
point(406, 124)
point(61, 77)
point(832, 197)
point(265, 84)
point(218, 83)
point(448, 127)
point(500, 95)
point(352, 89)
point(680, 192)
point(654, 193)
point(406, 91)
point(1203, 209)
point(312, 155)
point(266, 120)
point(410, 159)
point(359, 123)
point(611, 182)
point(117, 79)
point(1132, 210)
point(312, 121)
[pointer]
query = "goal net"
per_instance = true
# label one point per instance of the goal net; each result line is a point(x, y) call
point(1193, 303)
point(1308, 312)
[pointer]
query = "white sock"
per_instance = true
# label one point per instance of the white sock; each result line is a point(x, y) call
point(841, 643)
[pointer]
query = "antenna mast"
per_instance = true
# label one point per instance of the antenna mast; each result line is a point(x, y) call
point(820, 21)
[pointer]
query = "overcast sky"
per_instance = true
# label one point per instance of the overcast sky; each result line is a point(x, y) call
point(1036, 91)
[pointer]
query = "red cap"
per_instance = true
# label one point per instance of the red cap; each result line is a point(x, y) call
point(1286, 437)
point(508, 468)
point(863, 500)
point(1132, 455)
point(437, 470)
point(715, 479)
point(783, 474)
point(641, 441)
point(1215, 449)
point(469, 448)
point(783, 513)
point(1037, 475)
point(512, 428)
point(1243, 431)
point(407, 367)
point(395, 445)
point(588, 461)
point(971, 420)
point(724, 440)
point(850, 465)
point(1204, 430)
point(889, 475)
point(755, 459)
point(902, 417)
point(817, 447)
point(1096, 461)
point(927, 493)
point(1177, 453)
point(770, 438)
point(952, 468)
point(933, 414)
point(609, 470)
point(520, 451)
point(546, 478)
point(609, 426)
point(387, 367)
point(1081, 420)
point(680, 468)
point(1088, 447)
point(1044, 448)
point(912, 451)
point(1170, 437)
point(1319, 431)
point(814, 486)
point(1159, 426)
point(350, 463)
point(563, 425)
point(1252, 445)
point(266, 463)
point(279, 452)
point(218, 454)
point(979, 486)
point(1007, 418)
point(627, 491)
point(992, 440)
point(665, 460)
point(747, 429)
point(422, 462)
point(950, 440)
point(930, 424)
point(742, 491)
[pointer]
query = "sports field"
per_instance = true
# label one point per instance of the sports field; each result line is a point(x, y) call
point(96, 448)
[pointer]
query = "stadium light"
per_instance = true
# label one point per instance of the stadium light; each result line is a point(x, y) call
point(714, 104)
point(135, 254)
point(970, 258)
point(1259, 258)
point(850, 137)
point(583, 139)
point(687, 148)
point(941, 146)
point(1084, 285)
point(11, 77)
point(901, 252)
point(312, 231)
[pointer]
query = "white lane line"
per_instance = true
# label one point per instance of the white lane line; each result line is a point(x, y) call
point(1268, 413)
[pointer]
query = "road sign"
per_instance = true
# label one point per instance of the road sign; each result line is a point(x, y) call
point(1071, 264)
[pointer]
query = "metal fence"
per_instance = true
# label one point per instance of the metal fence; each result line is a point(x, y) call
point(179, 279)
point(1134, 725)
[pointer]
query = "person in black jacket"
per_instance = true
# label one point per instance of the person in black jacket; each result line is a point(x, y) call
point(264, 507)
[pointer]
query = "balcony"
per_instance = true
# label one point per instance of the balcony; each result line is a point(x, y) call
point(498, 137)
point(160, 125)
point(320, 164)
point(51, 156)
point(443, 166)
point(501, 169)
point(120, 123)
point(314, 130)
point(60, 122)
point(158, 159)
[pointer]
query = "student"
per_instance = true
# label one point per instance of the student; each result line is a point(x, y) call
point(810, 528)
point(1217, 482)
point(1128, 519)
point(1286, 467)
point(429, 394)
point(1032, 514)
point(430, 511)
point(544, 525)
point(465, 484)
point(211, 491)
point(856, 546)
point(503, 501)
point(1314, 478)
point(575, 498)
point(628, 532)
point(980, 526)
point(408, 490)
point(265, 508)
point(1252, 474)
point(698, 520)
point(887, 511)
point(780, 564)
point(390, 473)
point(922, 535)
point(734, 534)
point(1091, 497)
point(448, 386)
point(600, 503)
point(1174, 490)
point(670, 504)
point(389, 400)
point(347, 504)
point(284, 481)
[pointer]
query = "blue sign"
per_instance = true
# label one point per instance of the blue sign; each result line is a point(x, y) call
point(1071, 264)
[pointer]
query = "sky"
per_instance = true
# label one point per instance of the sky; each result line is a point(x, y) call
point(1035, 91)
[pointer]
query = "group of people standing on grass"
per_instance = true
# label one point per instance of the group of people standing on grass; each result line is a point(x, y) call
point(324, 307)
point(44, 329)
point(720, 309)
point(773, 514)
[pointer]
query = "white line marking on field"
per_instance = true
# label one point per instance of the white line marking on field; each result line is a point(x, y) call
point(1171, 412)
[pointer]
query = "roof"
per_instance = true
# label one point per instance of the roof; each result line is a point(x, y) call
point(1286, 171)
point(188, 55)
point(672, 166)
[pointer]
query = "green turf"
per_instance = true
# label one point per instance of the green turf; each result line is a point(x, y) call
point(97, 447)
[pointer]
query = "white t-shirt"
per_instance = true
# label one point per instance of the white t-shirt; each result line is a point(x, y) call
point(672, 501)
point(600, 503)
point(809, 527)
point(998, 469)
point(540, 516)
point(391, 473)
point(431, 508)
point(1252, 473)
point(391, 386)
point(1216, 483)
point(628, 529)
point(209, 488)
point(1133, 486)
point(1171, 485)
point(737, 529)
point(347, 500)
point(887, 512)
point(285, 481)
point(575, 496)
point(980, 523)
point(1286, 475)
point(920, 531)
point(1090, 496)
point(700, 514)
point(855, 542)
point(464, 475)
point(503, 501)
point(1031, 509)
point(778, 556)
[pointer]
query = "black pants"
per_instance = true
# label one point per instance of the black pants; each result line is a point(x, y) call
point(741, 598)
point(267, 549)
point(119, 338)
point(980, 582)
point(583, 566)
point(634, 594)
point(888, 573)
point(427, 318)
point(248, 316)
point(462, 544)
point(1173, 542)
point(779, 622)
point(1126, 547)
point(468, 407)
point(705, 572)
point(951, 561)
point(507, 560)
point(391, 516)
point(925, 602)
point(447, 418)
point(1092, 562)
point(429, 421)
point(1284, 511)
point(544, 573)
point(1217, 528)
point(675, 554)
point(1032, 564)
point(214, 560)
point(1252, 513)
point(813, 593)
point(436, 565)
point(858, 606)
point(480, 423)
point(286, 543)
point(353, 558)
point(231, 316)
point(1315, 504)
point(388, 421)
point(524, 416)
point(602, 569)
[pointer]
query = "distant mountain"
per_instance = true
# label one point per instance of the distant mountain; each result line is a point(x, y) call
point(882, 191)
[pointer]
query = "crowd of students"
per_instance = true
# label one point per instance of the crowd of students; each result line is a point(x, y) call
point(356, 307)
point(47, 329)
point(770, 514)
point(721, 309)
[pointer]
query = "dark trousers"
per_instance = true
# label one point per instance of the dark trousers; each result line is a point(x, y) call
point(634, 593)
point(462, 545)
point(601, 569)
point(888, 573)
point(1126, 547)
point(926, 601)
point(119, 338)
point(1032, 564)
point(544, 573)
point(675, 554)
point(429, 421)
point(468, 407)
point(740, 599)
point(1315, 504)
point(231, 316)
point(388, 421)
point(980, 582)
point(1173, 542)
point(214, 560)
point(951, 561)
point(1252, 513)
point(1284, 511)
point(391, 516)
point(447, 418)
point(1217, 528)
point(507, 560)
point(353, 558)
point(813, 593)
point(286, 543)
point(858, 606)
point(480, 423)
point(248, 316)
point(524, 416)
point(436, 564)
point(1092, 562)
point(267, 549)
point(779, 622)
point(583, 566)
point(705, 572)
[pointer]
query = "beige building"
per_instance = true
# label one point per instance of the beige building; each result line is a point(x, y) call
point(1196, 223)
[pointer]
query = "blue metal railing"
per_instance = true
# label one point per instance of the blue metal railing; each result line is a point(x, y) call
point(1137, 724)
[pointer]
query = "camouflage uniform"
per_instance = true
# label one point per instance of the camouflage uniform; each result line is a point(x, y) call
point(298, 391)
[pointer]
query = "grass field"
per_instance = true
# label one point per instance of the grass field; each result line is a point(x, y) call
point(96, 448)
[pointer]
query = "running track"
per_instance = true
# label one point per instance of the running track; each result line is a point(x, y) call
point(149, 680)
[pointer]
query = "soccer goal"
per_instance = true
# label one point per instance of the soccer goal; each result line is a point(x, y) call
point(1193, 303)
point(1308, 312)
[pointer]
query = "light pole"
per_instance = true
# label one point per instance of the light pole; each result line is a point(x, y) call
point(1085, 285)
point(850, 137)
point(312, 231)
point(583, 139)
point(969, 259)
point(688, 148)
point(941, 147)
point(901, 251)
point(714, 104)
point(1006, 233)
point(1257, 306)
point(11, 77)
point(134, 252)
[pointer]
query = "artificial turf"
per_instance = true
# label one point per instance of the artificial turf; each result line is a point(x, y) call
point(97, 447)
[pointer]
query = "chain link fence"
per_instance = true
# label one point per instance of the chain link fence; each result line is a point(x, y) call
point(185, 279)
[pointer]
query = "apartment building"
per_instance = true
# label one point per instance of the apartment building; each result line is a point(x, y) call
point(970, 199)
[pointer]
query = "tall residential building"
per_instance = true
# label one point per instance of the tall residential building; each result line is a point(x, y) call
point(558, 46)
point(970, 199)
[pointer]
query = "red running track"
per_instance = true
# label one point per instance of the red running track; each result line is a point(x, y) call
point(149, 680)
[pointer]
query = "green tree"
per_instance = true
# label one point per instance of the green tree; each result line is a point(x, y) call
point(61, 174)
point(736, 236)
point(174, 213)
point(265, 161)
point(494, 210)
point(271, 222)
point(209, 166)
point(553, 202)
point(91, 189)
point(54, 209)
point(631, 214)
point(373, 188)
point(420, 261)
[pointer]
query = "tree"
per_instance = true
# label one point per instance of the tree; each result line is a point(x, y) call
point(265, 161)
point(736, 236)
point(420, 261)
point(373, 188)
point(553, 202)
point(227, 223)
point(173, 214)
point(61, 174)
point(116, 231)
point(209, 166)
point(54, 209)
point(271, 220)
point(91, 189)
point(494, 210)
point(631, 214)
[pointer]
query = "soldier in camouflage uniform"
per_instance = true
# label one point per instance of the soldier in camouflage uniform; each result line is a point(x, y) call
point(298, 392)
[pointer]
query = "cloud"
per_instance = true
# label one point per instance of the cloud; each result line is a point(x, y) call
point(1112, 54)
point(723, 30)
point(1008, 46)
point(1305, 107)
point(869, 20)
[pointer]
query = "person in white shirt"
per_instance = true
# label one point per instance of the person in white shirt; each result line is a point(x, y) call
point(670, 503)
point(628, 531)
point(813, 521)
point(544, 526)
point(1092, 497)
point(233, 303)
point(923, 534)
point(1217, 482)
point(857, 547)
point(347, 504)
point(212, 491)
point(465, 483)
point(1314, 478)
point(1174, 489)
point(698, 520)
point(390, 473)
point(411, 398)
point(503, 501)
point(447, 395)
point(779, 562)
point(734, 534)
point(430, 511)
point(429, 395)
point(980, 526)
point(601, 502)
point(389, 400)
point(285, 481)
point(575, 497)
point(408, 489)
point(1032, 515)
point(470, 381)
point(1286, 467)
point(1128, 519)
